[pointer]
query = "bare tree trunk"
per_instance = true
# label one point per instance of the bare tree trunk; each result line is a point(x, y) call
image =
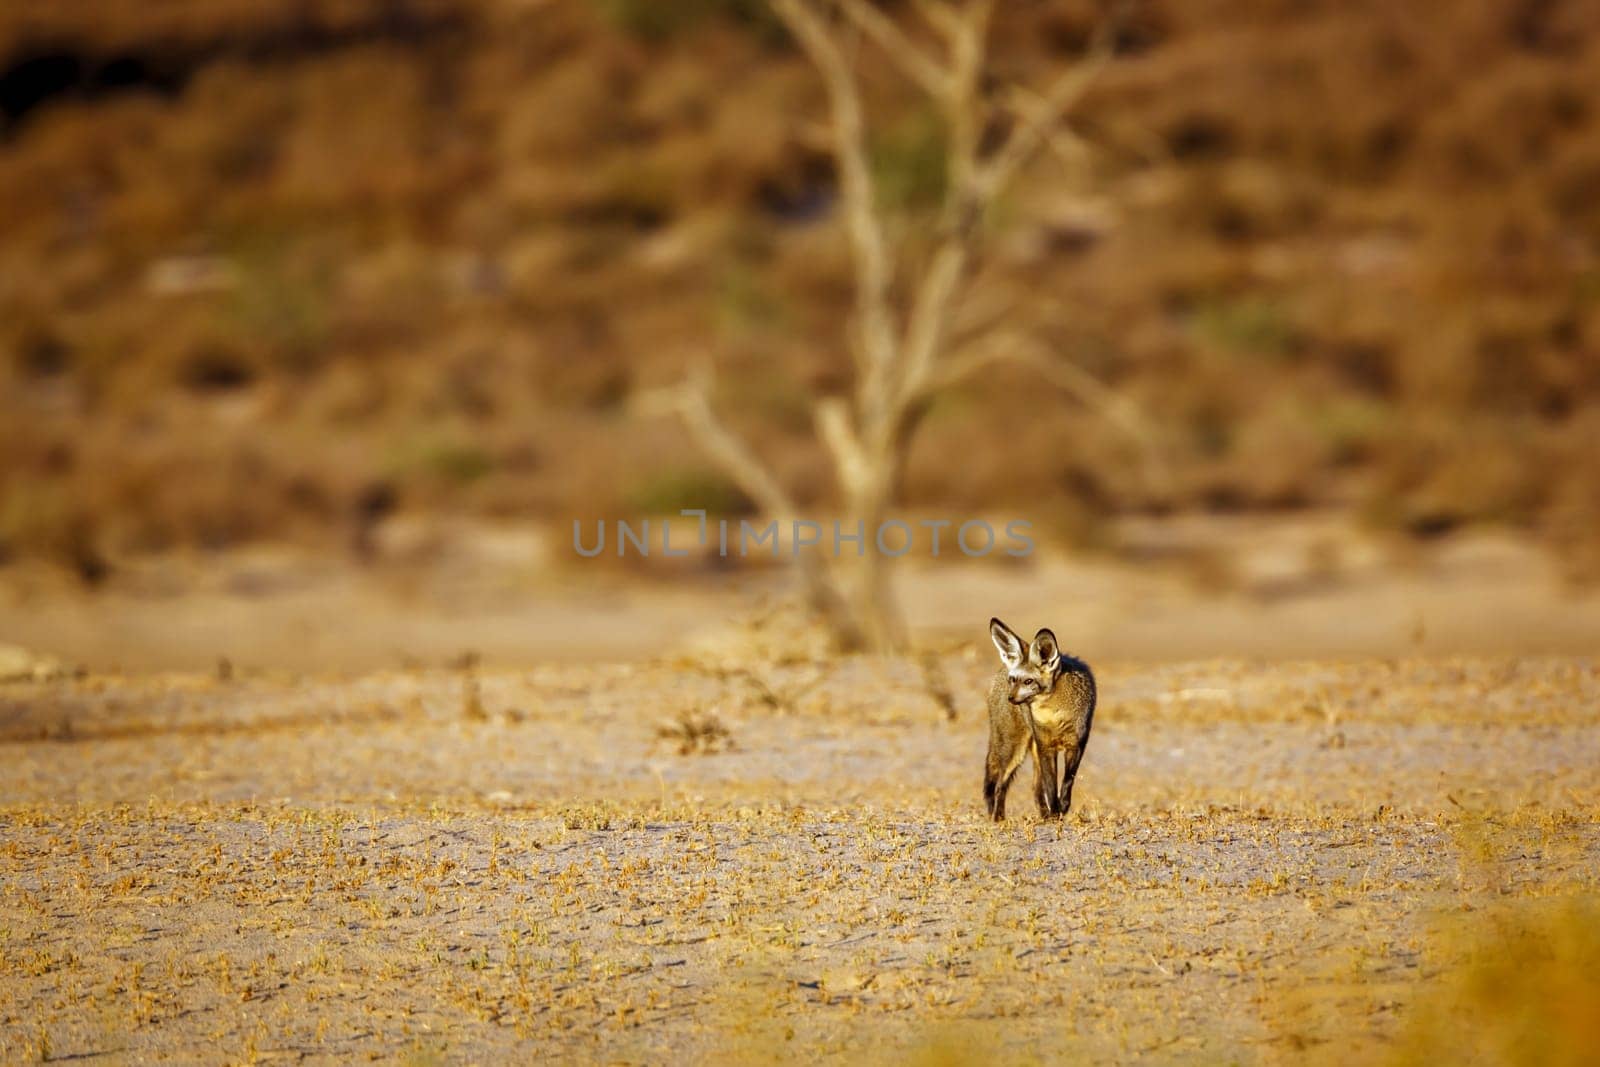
point(875, 603)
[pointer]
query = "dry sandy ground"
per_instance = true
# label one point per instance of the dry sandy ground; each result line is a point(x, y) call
point(1172, 589)
point(1266, 862)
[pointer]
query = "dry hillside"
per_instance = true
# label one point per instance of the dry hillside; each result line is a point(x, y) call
point(276, 270)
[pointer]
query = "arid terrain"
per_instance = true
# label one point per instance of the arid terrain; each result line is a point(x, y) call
point(514, 594)
point(323, 324)
point(703, 858)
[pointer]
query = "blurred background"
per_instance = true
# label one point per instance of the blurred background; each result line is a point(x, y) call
point(365, 281)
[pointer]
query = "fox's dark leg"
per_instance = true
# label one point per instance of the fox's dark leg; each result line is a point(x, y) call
point(1044, 782)
point(998, 812)
point(1008, 771)
point(994, 769)
point(1053, 769)
point(1000, 769)
point(1041, 784)
point(1070, 760)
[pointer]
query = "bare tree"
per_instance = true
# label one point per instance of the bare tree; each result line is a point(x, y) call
point(902, 356)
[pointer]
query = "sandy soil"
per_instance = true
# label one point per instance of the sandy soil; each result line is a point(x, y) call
point(1173, 589)
point(1266, 861)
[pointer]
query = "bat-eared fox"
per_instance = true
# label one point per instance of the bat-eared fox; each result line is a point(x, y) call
point(1041, 701)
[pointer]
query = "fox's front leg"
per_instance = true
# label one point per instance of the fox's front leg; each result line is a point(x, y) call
point(1069, 767)
point(1045, 765)
point(1044, 780)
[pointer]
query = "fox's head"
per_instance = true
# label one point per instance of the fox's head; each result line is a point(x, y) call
point(1032, 669)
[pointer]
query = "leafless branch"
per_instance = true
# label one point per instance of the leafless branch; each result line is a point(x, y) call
point(930, 315)
point(838, 435)
point(897, 47)
point(1067, 146)
point(968, 36)
point(1064, 374)
point(690, 401)
point(964, 203)
point(940, 15)
point(958, 368)
point(877, 350)
point(1043, 117)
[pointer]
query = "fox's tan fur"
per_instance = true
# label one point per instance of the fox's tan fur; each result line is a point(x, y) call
point(1041, 701)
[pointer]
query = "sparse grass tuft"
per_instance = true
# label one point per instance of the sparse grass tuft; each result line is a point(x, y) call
point(696, 731)
point(597, 815)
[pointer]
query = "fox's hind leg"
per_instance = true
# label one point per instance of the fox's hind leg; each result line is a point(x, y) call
point(995, 789)
point(993, 771)
point(999, 769)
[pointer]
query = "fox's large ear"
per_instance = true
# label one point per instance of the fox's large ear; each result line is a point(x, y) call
point(1009, 644)
point(1045, 650)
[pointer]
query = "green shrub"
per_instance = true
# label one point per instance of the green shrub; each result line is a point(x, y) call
point(1255, 326)
point(908, 163)
point(669, 492)
point(443, 458)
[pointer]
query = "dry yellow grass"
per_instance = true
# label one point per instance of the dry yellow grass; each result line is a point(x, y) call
point(1346, 860)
